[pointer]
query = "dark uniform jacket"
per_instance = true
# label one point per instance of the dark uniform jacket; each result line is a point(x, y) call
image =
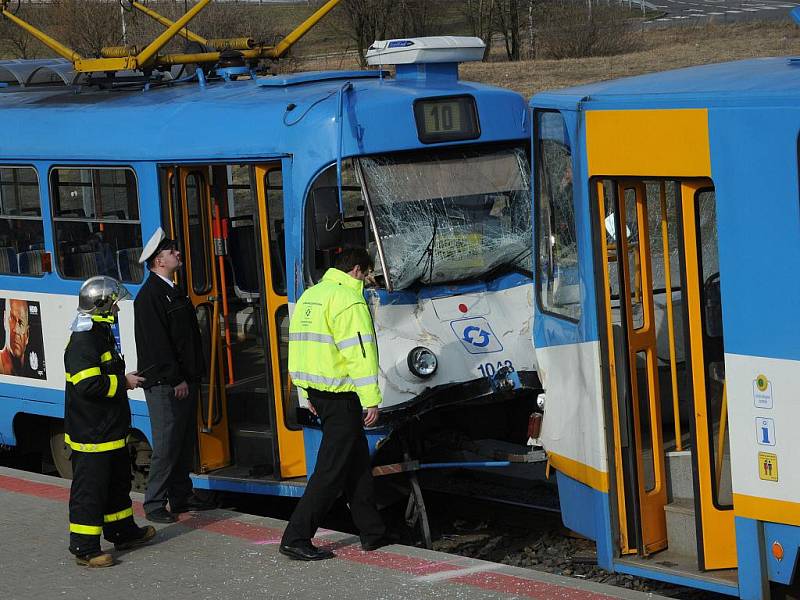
point(168, 344)
point(96, 409)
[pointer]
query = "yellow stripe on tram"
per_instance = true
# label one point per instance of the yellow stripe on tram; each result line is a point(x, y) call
point(590, 476)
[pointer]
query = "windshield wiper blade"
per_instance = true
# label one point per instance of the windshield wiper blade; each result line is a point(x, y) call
point(428, 252)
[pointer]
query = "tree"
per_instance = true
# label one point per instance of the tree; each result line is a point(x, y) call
point(87, 26)
point(479, 15)
point(507, 23)
point(365, 21)
point(16, 41)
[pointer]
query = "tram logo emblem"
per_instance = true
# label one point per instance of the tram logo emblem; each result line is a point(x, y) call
point(762, 392)
point(476, 335)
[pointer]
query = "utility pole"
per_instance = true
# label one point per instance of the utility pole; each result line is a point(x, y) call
point(124, 31)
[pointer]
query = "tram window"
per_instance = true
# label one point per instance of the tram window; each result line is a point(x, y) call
point(243, 243)
point(558, 284)
point(198, 233)
point(635, 258)
point(354, 230)
point(277, 236)
point(288, 390)
point(21, 229)
point(96, 223)
point(713, 347)
point(240, 192)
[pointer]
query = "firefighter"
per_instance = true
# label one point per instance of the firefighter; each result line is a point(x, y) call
point(97, 419)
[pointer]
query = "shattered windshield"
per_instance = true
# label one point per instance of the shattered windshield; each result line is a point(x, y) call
point(450, 215)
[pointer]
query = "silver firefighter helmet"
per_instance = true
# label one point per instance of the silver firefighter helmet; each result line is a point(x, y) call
point(98, 294)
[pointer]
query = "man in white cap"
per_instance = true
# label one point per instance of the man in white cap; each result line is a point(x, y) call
point(170, 357)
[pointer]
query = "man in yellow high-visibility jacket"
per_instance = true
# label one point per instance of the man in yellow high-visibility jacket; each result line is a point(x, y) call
point(333, 358)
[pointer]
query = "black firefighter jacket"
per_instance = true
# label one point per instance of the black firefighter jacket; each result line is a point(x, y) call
point(96, 411)
point(168, 344)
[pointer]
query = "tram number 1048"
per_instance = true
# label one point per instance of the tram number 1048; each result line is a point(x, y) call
point(490, 368)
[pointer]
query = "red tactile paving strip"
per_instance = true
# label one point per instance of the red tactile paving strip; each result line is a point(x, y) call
point(257, 534)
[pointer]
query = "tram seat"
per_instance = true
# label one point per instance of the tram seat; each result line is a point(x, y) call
point(88, 264)
point(81, 264)
point(244, 266)
point(8, 260)
point(30, 262)
point(128, 265)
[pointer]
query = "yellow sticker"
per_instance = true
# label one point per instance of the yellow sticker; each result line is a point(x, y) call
point(762, 383)
point(768, 466)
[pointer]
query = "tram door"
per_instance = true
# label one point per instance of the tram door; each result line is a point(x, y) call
point(229, 220)
point(663, 309)
point(633, 336)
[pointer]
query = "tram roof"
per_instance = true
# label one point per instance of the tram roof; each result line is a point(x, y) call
point(746, 82)
point(239, 119)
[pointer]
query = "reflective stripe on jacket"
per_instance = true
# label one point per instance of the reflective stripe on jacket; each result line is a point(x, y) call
point(97, 415)
point(332, 345)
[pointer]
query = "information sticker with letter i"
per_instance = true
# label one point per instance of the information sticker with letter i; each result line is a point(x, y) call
point(765, 431)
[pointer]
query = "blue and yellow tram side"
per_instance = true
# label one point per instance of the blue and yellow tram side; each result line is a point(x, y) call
point(261, 179)
point(667, 243)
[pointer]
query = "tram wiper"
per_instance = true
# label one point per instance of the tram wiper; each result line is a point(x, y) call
point(507, 266)
point(428, 252)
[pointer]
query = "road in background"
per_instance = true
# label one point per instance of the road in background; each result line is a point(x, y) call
point(692, 11)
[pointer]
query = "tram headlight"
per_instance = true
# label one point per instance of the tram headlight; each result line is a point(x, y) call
point(422, 362)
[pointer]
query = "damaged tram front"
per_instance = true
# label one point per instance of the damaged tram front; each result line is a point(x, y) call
point(444, 209)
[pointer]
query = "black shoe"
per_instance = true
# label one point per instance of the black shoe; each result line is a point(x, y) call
point(305, 552)
point(192, 503)
point(146, 534)
point(379, 543)
point(160, 515)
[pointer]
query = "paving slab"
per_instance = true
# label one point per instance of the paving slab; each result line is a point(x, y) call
point(222, 554)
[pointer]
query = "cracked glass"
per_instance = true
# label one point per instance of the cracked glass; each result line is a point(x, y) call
point(451, 215)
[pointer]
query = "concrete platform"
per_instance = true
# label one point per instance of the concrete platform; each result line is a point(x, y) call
point(221, 554)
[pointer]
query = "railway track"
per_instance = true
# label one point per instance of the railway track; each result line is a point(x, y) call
point(527, 535)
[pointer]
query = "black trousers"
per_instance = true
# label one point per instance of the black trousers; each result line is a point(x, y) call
point(173, 424)
point(343, 465)
point(100, 500)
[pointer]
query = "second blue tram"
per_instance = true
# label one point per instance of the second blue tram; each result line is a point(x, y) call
point(667, 249)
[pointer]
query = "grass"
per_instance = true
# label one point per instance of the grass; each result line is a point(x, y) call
point(662, 50)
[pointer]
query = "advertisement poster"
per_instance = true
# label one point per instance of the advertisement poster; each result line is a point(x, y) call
point(22, 353)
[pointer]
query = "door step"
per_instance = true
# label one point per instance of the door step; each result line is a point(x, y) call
point(673, 567)
point(252, 445)
point(680, 476)
point(681, 527)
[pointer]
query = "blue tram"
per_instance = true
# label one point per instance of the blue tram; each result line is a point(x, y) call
point(261, 179)
point(667, 248)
